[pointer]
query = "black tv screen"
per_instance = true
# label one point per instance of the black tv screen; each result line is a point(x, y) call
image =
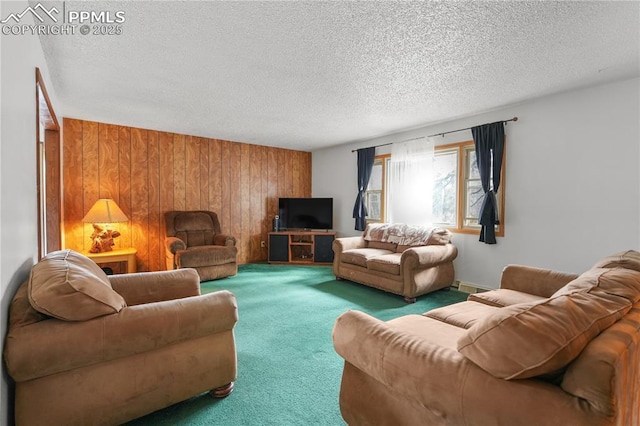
point(305, 213)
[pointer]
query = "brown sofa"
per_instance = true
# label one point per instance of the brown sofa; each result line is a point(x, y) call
point(87, 349)
point(547, 348)
point(194, 240)
point(406, 260)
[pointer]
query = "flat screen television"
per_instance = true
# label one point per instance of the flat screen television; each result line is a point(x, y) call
point(305, 213)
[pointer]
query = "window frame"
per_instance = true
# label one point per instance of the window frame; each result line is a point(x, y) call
point(383, 160)
point(445, 151)
point(463, 148)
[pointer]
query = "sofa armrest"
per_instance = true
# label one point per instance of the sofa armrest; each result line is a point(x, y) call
point(174, 244)
point(537, 281)
point(342, 244)
point(52, 346)
point(405, 363)
point(348, 243)
point(147, 287)
point(224, 240)
point(427, 256)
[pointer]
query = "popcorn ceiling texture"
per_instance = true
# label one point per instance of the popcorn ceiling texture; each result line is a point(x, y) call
point(307, 75)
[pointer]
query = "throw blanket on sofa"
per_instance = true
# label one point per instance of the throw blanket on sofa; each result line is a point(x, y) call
point(407, 235)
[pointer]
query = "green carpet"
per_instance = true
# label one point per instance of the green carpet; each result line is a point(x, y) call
point(288, 372)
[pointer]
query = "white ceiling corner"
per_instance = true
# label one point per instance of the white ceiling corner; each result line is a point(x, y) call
point(310, 74)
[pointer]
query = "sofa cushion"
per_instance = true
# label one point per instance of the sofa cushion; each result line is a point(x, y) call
point(200, 256)
point(463, 314)
point(435, 332)
point(629, 259)
point(504, 297)
point(360, 256)
point(69, 286)
point(380, 245)
point(389, 263)
point(532, 339)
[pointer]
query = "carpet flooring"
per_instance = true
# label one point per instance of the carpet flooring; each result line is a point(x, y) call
point(288, 372)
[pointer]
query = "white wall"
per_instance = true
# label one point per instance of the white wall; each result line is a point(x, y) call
point(18, 209)
point(572, 181)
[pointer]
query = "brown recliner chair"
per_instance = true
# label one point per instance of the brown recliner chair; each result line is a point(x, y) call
point(194, 240)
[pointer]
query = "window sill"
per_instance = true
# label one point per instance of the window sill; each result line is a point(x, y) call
point(499, 233)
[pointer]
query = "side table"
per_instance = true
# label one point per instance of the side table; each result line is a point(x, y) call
point(127, 255)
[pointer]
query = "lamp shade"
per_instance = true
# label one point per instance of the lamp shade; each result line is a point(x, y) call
point(105, 210)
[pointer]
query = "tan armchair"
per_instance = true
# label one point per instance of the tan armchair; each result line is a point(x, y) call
point(194, 240)
point(85, 348)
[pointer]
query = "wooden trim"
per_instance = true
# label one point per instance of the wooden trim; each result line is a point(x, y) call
point(53, 200)
point(46, 109)
point(49, 153)
point(460, 188)
point(453, 145)
point(38, 168)
point(383, 202)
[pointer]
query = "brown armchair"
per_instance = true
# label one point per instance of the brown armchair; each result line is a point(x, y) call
point(85, 348)
point(194, 240)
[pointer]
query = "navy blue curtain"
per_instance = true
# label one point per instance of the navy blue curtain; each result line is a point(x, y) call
point(366, 157)
point(489, 143)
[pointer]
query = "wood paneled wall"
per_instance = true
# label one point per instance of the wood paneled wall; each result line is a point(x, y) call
point(149, 172)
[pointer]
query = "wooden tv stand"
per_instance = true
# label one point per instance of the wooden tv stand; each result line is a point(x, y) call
point(301, 247)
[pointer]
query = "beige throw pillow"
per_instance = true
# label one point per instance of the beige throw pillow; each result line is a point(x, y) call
point(69, 286)
point(532, 339)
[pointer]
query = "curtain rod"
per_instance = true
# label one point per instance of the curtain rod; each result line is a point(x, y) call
point(469, 128)
point(437, 134)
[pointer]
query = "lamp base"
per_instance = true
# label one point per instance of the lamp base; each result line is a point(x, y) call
point(102, 239)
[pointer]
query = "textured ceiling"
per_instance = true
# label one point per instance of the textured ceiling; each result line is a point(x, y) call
point(310, 74)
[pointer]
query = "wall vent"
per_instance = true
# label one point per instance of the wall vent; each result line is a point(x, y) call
point(467, 288)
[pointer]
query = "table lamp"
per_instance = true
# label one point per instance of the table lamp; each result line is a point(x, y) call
point(104, 211)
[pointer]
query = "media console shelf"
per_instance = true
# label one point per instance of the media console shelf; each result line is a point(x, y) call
point(303, 247)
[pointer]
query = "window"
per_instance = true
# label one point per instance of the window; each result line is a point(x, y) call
point(472, 193)
point(445, 187)
point(457, 192)
point(375, 194)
